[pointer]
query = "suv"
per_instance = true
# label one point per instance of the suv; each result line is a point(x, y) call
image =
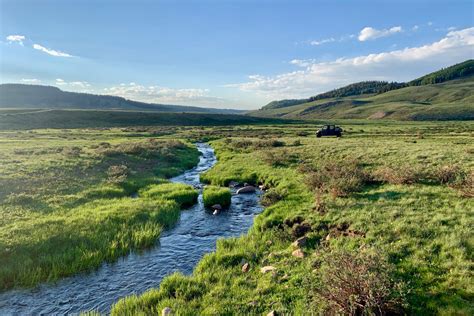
point(329, 130)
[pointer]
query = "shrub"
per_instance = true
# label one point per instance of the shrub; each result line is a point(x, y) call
point(358, 283)
point(465, 185)
point(184, 195)
point(449, 174)
point(336, 178)
point(273, 195)
point(399, 174)
point(269, 143)
point(117, 174)
point(281, 158)
point(216, 195)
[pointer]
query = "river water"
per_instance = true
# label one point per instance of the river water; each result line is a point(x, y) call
point(178, 249)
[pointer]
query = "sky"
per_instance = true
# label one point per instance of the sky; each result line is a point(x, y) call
point(227, 54)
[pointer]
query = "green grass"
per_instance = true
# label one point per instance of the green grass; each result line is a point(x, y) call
point(216, 195)
point(65, 199)
point(183, 194)
point(422, 229)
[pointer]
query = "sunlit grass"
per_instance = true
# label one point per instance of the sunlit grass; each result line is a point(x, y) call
point(422, 229)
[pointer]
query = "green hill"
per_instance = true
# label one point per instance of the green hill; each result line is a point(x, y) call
point(21, 96)
point(35, 119)
point(442, 95)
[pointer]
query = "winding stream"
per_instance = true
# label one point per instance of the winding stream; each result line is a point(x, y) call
point(178, 249)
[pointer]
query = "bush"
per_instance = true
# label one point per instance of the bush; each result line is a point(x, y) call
point(184, 195)
point(358, 283)
point(216, 195)
point(273, 195)
point(336, 178)
point(399, 174)
point(449, 174)
point(465, 185)
point(117, 174)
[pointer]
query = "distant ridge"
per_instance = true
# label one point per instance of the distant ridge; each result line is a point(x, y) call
point(446, 94)
point(457, 71)
point(24, 96)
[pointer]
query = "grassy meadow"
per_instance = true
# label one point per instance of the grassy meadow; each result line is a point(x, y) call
point(379, 221)
point(67, 198)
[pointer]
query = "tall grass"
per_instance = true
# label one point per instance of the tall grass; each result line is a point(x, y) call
point(183, 194)
point(216, 195)
point(62, 214)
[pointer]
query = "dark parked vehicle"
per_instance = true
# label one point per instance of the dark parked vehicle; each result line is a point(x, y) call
point(329, 130)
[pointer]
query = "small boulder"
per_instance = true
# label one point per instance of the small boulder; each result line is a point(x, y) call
point(300, 242)
point(246, 267)
point(246, 189)
point(166, 311)
point(217, 207)
point(272, 313)
point(267, 269)
point(233, 184)
point(263, 187)
point(298, 253)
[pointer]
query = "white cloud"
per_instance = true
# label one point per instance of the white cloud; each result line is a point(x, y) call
point(30, 80)
point(302, 62)
point(51, 52)
point(73, 84)
point(369, 33)
point(16, 38)
point(158, 94)
point(399, 65)
point(324, 41)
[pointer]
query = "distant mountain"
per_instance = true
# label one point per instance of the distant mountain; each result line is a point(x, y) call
point(446, 94)
point(23, 96)
point(359, 88)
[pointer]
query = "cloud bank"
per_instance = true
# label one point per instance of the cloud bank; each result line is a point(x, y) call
point(158, 94)
point(398, 65)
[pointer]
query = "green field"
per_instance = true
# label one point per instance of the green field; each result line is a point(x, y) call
point(386, 210)
point(387, 213)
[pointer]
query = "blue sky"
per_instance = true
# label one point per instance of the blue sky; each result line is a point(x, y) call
point(238, 54)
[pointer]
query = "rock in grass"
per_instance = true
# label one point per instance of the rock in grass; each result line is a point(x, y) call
point(246, 267)
point(267, 269)
point(217, 207)
point(300, 242)
point(272, 313)
point(298, 253)
point(166, 311)
point(233, 184)
point(246, 189)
